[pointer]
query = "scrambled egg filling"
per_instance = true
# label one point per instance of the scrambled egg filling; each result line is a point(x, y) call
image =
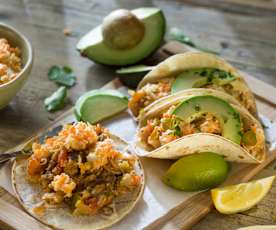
point(160, 131)
point(10, 61)
point(148, 94)
point(64, 184)
point(167, 128)
point(81, 167)
point(153, 91)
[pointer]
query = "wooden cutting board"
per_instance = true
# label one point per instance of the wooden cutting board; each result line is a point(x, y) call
point(193, 208)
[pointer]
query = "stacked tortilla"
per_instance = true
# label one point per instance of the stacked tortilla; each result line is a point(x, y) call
point(169, 129)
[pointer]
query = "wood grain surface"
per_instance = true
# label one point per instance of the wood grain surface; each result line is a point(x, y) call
point(243, 33)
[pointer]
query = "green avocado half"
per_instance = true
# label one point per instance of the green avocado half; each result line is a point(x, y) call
point(229, 119)
point(93, 46)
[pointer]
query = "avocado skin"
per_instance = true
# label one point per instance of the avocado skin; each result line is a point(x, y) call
point(228, 117)
point(100, 53)
point(197, 172)
point(132, 80)
point(131, 76)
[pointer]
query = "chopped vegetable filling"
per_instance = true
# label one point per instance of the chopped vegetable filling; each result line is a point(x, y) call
point(81, 167)
point(148, 94)
point(161, 130)
point(153, 91)
point(10, 61)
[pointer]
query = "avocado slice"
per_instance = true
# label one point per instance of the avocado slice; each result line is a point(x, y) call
point(97, 105)
point(93, 46)
point(131, 76)
point(197, 78)
point(229, 119)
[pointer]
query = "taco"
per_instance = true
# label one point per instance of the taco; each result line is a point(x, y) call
point(82, 178)
point(191, 70)
point(206, 121)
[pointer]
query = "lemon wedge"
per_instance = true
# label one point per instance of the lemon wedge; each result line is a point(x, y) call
point(258, 227)
point(241, 197)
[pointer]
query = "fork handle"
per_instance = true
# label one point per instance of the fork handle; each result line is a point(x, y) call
point(4, 157)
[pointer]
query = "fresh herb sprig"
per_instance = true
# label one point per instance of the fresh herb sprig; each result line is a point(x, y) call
point(62, 76)
point(178, 35)
point(57, 100)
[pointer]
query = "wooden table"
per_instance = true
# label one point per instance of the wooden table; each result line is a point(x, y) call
point(244, 34)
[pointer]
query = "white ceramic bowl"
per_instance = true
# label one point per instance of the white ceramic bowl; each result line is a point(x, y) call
point(16, 39)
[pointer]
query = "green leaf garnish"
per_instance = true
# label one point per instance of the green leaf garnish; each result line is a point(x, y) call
point(178, 35)
point(177, 131)
point(62, 76)
point(57, 100)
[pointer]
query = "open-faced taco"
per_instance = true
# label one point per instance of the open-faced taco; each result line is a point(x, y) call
point(191, 70)
point(204, 121)
point(82, 178)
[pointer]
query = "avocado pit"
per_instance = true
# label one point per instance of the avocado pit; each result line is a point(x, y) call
point(121, 29)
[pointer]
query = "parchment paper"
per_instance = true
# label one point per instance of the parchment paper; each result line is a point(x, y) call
point(158, 199)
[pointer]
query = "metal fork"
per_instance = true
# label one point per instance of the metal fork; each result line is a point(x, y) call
point(4, 157)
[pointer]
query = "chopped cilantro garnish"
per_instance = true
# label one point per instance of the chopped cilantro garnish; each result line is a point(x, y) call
point(197, 108)
point(177, 131)
point(57, 100)
point(178, 35)
point(62, 76)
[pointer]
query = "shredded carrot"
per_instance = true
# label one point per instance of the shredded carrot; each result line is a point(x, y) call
point(34, 166)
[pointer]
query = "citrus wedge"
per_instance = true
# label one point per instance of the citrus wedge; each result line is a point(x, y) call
point(258, 227)
point(241, 197)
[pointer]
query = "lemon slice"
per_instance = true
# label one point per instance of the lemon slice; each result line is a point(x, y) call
point(241, 197)
point(258, 227)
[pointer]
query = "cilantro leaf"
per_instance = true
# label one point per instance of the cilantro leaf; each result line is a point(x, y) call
point(178, 35)
point(62, 76)
point(177, 131)
point(53, 72)
point(57, 100)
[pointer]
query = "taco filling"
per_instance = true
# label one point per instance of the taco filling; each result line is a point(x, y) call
point(80, 167)
point(200, 114)
point(196, 78)
point(148, 94)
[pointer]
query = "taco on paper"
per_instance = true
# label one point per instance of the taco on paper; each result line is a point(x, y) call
point(82, 178)
point(191, 70)
point(200, 120)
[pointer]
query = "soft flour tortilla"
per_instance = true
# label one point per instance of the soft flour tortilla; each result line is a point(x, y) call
point(179, 63)
point(201, 142)
point(29, 195)
point(183, 95)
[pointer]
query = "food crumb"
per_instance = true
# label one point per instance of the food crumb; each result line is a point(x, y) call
point(39, 210)
point(224, 45)
point(67, 31)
